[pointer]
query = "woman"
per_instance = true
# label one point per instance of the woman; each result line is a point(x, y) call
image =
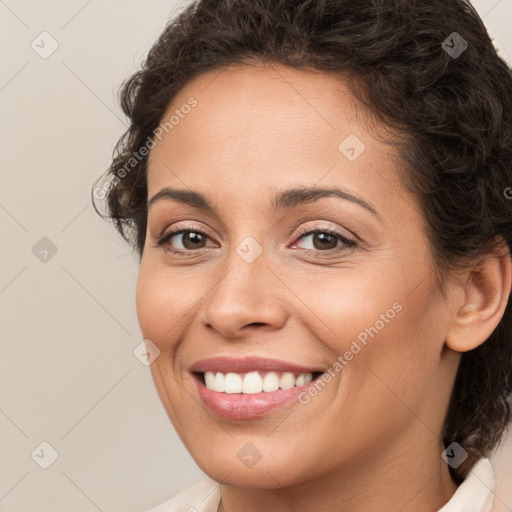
point(319, 193)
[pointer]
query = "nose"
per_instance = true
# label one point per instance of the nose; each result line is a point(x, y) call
point(245, 298)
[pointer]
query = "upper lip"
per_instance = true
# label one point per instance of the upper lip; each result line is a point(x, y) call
point(247, 364)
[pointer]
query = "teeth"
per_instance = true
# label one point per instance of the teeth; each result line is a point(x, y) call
point(253, 382)
point(233, 383)
point(271, 382)
point(218, 383)
point(287, 381)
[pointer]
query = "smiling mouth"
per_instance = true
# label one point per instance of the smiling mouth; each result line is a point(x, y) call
point(253, 382)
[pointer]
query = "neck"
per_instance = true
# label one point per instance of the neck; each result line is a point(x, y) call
point(412, 482)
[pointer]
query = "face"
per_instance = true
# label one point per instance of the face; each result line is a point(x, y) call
point(276, 287)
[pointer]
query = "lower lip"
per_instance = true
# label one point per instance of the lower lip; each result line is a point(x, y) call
point(245, 406)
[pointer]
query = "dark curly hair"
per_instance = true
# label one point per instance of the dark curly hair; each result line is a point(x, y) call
point(429, 71)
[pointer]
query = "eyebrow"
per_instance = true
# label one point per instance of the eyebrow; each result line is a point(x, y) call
point(285, 199)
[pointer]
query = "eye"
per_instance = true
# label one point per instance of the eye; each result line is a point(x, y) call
point(324, 240)
point(188, 238)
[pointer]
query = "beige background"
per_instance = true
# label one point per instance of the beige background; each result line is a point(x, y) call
point(68, 325)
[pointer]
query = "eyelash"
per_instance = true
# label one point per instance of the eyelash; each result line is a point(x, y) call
point(314, 230)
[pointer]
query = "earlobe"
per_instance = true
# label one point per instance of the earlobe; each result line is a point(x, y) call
point(482, 300)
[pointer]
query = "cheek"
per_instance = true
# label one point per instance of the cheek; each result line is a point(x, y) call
point(163, 304)
point(349, 306)
point(380, 327)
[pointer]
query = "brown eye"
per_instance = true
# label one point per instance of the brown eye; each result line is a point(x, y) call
point(188, 238)
point(325, 240)
point(193, 240)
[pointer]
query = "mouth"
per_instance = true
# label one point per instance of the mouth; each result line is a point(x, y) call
point(254, 382)
point(251, 395)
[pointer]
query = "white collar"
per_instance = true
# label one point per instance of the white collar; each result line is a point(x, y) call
point(477, 492)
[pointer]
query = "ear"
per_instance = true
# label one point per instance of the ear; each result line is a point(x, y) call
point(481, 297)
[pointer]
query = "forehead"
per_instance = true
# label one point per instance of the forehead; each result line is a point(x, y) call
point(245, 106)
point(257, 129)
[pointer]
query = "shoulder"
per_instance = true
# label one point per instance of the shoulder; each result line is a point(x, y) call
point(203, 496)
point(477, 492)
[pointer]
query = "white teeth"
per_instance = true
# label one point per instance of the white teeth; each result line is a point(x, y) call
point(301, 380)
point(233, 383)
point(218, 383)
point(209, 377)
point(253, 382)
point(287, 381)
point(271, 382)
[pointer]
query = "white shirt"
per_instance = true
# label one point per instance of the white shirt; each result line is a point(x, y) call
point(476, 494)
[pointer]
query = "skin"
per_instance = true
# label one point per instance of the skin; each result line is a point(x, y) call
point(371, 438)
